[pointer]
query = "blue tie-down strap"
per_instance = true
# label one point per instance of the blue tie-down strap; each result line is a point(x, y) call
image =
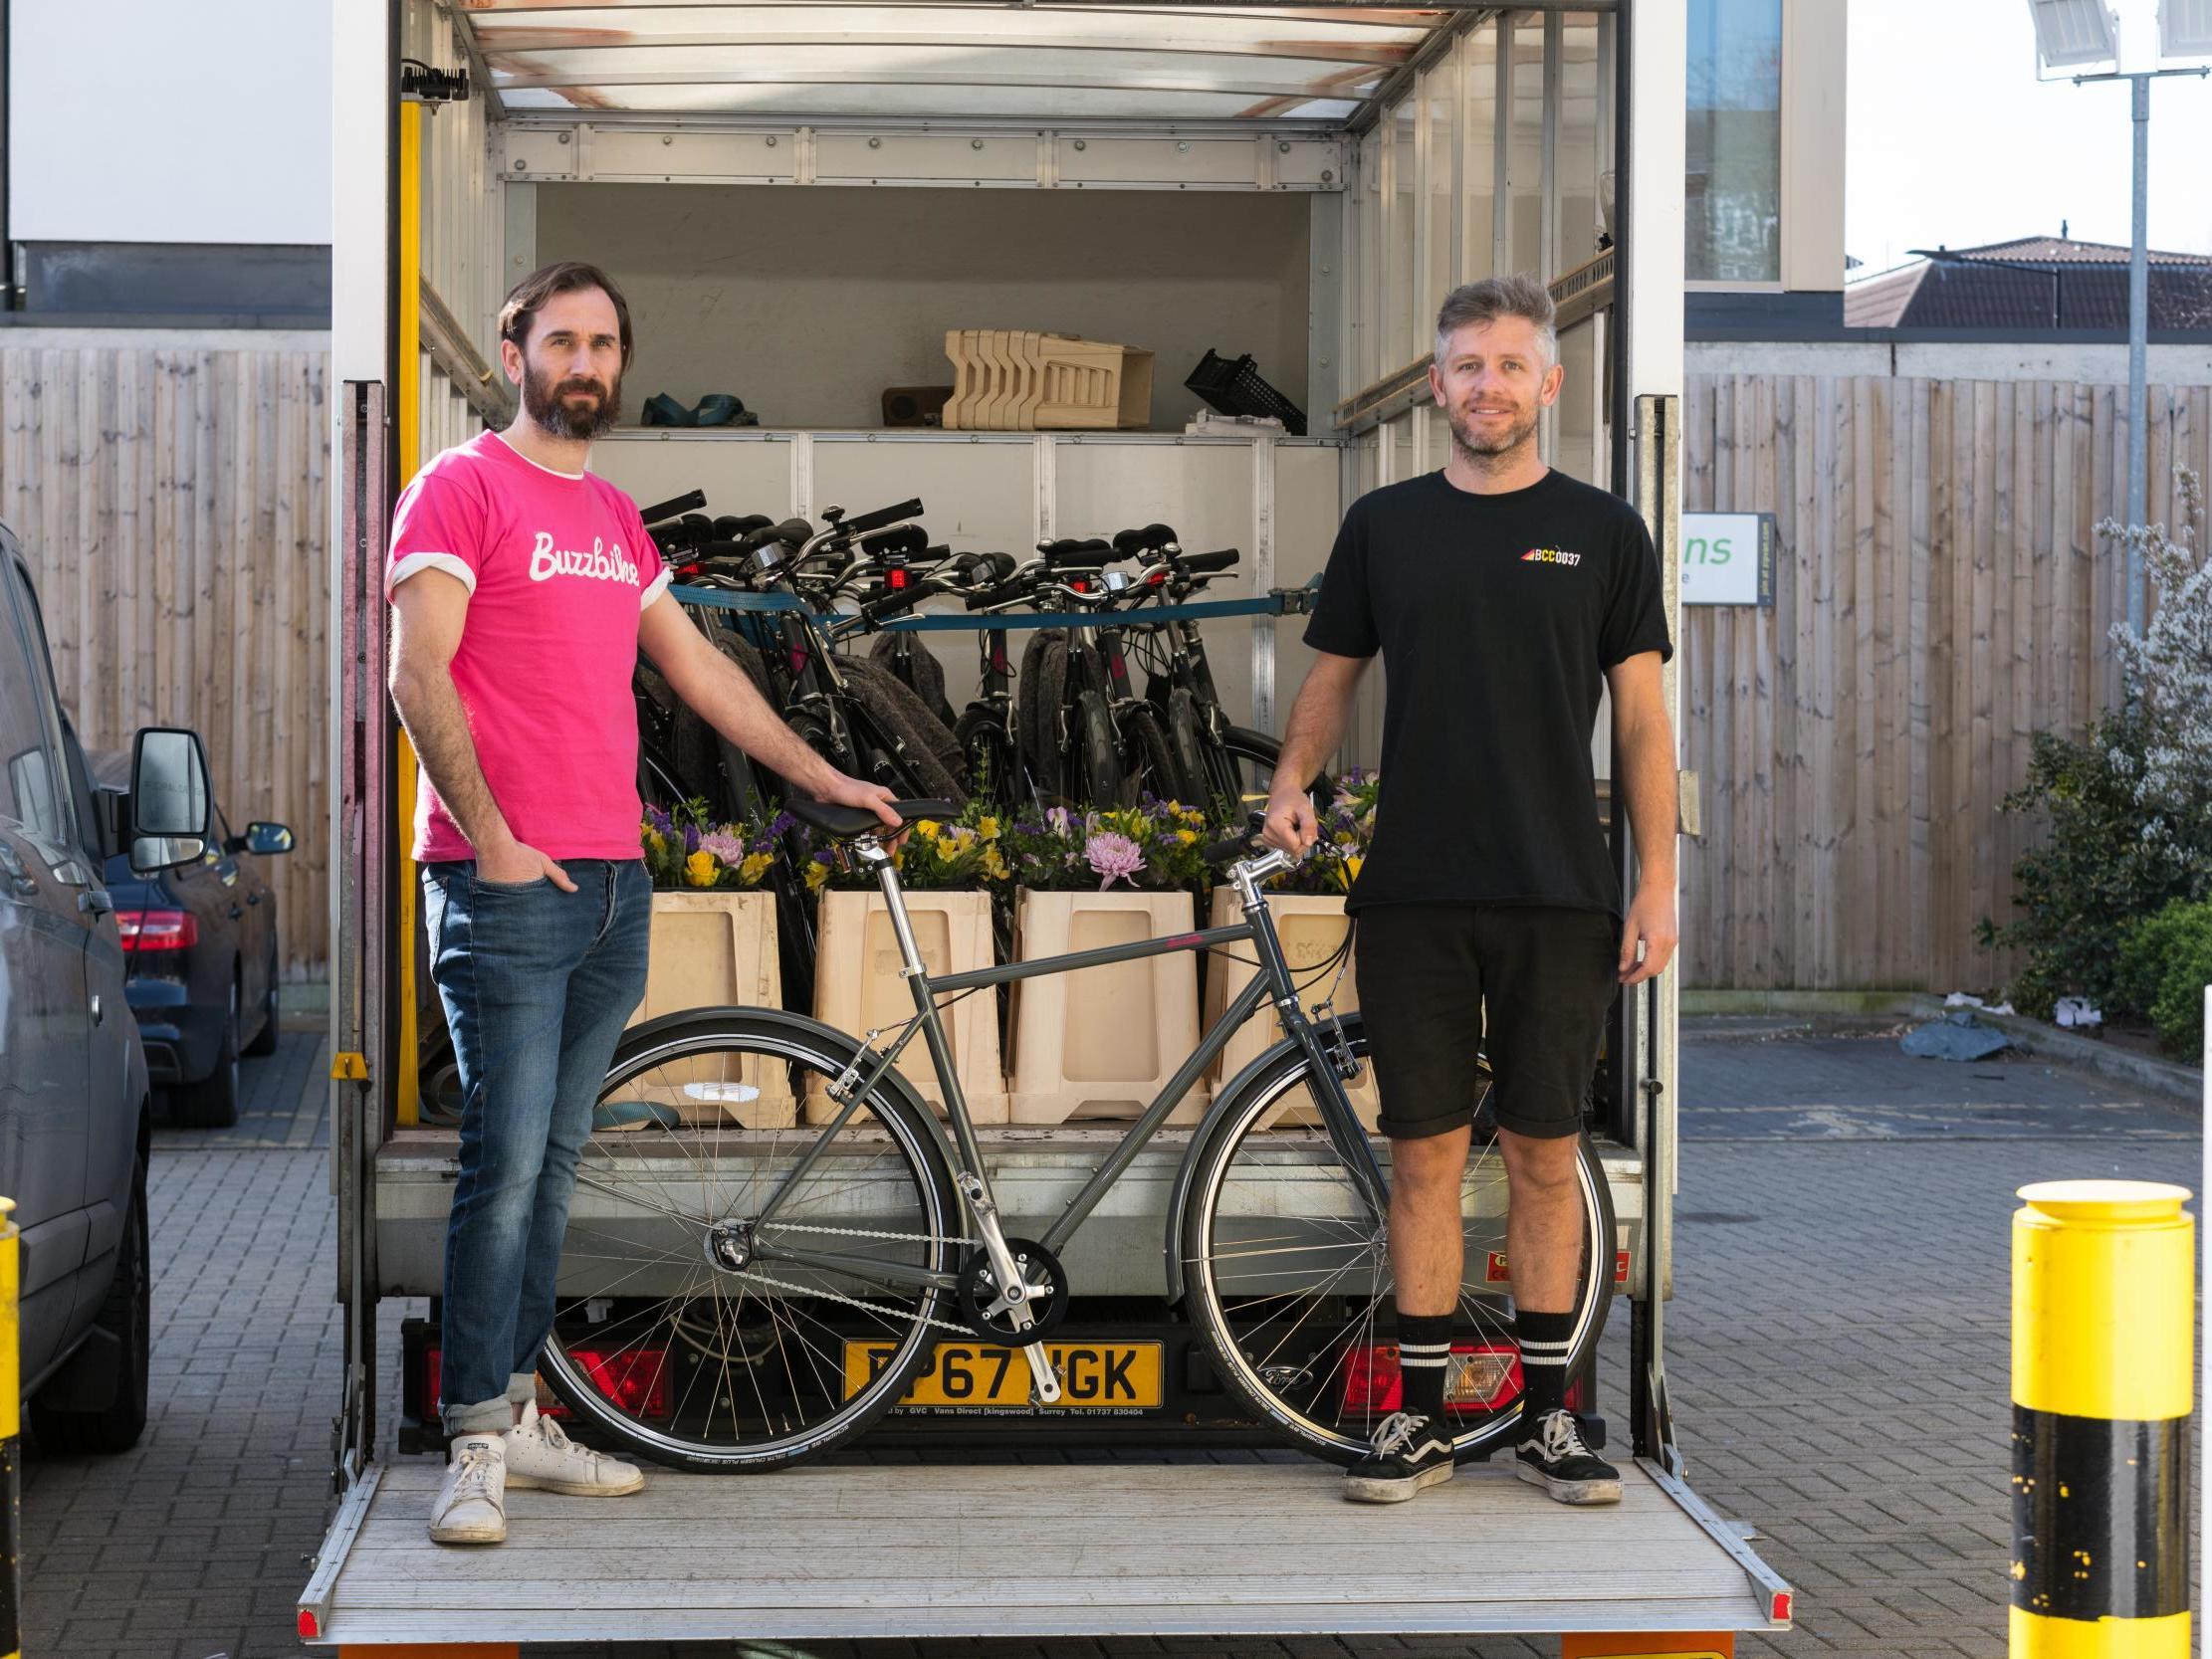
point(1291, 601)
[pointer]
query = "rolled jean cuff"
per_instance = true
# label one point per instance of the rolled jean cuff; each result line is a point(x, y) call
point(521, 1387)
point(485, 1417)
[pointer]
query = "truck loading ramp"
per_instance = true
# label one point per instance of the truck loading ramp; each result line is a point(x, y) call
point(842, 1551)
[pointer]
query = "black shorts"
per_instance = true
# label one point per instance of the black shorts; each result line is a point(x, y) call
point(1427, 975)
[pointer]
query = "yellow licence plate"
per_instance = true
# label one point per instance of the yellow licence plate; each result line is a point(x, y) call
point(1093, 1375)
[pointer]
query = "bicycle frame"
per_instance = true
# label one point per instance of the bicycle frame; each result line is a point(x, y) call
point(1272, 984)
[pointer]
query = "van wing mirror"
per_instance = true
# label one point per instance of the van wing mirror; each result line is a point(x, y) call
point(170, 799)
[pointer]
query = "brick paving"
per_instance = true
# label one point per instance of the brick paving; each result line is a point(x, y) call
point(1838, 1349)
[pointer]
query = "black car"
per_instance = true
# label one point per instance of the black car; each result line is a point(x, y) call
point(200, 944)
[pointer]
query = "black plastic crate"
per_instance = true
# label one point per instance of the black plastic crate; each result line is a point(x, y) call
point(1233, 386)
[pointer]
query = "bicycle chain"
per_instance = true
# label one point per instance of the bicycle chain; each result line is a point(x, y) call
point(907, 1315)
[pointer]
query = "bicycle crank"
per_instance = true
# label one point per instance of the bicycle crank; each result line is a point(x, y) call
point(1026, 1308)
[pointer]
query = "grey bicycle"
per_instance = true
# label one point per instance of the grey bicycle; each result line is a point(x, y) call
point(738, 1292)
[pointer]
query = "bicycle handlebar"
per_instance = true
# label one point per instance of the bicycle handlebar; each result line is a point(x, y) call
point(691, 501)
point(881, 517)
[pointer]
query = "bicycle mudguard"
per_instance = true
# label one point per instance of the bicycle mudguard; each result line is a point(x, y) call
point(1223, 1106)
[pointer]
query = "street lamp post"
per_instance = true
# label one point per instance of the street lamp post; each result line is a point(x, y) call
point(2071, 32)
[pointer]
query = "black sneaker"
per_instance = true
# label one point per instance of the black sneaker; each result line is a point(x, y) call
point(1557, 1459)
point(1408, 1454)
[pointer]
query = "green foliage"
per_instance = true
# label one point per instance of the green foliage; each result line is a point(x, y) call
point(2128, 807)
point(2165, 964)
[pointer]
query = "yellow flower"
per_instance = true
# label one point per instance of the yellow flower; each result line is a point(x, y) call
point(993, 866)
point(654, 841)
point(928, 827)
point(816, 874)
point(1350, 873)
point(948, 849)
point(1186, 836)
point(755, 866)
point(700, 869)
point(988, 827)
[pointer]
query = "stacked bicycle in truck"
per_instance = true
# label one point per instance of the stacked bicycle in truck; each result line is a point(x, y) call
point(788, 600)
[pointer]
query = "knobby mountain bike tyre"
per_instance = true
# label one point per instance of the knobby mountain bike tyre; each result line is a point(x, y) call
point(660, 1344)
point(1293, 1298)
point(924, 676)
point(924, 752)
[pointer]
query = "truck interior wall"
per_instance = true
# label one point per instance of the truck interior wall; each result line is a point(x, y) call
point(808, 302)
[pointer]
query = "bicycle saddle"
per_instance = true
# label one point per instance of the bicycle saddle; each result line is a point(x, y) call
point(1088, 555)
point(845, 822)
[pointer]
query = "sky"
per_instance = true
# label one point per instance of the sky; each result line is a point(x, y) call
point(1951, 141)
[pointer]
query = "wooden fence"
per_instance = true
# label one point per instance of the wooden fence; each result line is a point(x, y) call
point(1940, 595)
point(173, 505)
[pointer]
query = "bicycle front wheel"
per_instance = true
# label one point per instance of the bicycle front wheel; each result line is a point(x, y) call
point(1287, 1273)
point(695, 1326)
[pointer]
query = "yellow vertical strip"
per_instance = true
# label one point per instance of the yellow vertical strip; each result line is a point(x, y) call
point(11, 1500)
point(10, 1358)
point(409, 1099)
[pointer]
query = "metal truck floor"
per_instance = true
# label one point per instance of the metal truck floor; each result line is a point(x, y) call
point(944, 1549)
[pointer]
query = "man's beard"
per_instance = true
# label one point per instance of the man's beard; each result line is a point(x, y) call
point(542, 402)
point(1489, 449)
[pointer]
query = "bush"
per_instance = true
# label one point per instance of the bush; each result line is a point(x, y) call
point(2130, 806)
point(2170, 954)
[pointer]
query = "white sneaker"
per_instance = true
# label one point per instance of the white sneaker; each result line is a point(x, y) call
point(472, 1504)
point(542, 1458)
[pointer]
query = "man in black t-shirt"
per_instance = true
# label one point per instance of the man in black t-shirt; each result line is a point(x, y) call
point(1503, 596)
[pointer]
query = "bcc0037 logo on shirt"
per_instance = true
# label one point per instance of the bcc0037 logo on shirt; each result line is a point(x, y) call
point(1550, 556)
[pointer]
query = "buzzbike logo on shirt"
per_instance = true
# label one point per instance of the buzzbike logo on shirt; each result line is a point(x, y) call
point(603, 563)
point(1550, 556)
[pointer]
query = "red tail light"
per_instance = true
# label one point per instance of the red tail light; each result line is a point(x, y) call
point(1484, 1377)
point(636, 1378)
point(159, 930)
point(895, 577)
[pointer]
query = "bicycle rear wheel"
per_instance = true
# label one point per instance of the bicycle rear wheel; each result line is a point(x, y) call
point(688, 1331)
point(1287, 1274)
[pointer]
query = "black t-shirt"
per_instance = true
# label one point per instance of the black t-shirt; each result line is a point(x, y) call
point(1498, 617)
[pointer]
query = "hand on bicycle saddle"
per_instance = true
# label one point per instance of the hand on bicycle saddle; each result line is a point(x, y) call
point(840, 790)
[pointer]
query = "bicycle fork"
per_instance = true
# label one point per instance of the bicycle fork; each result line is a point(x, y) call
point(975, 1186)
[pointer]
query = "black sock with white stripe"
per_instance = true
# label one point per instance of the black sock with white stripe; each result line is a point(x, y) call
point(1424, 1360)
point(1545, 1340)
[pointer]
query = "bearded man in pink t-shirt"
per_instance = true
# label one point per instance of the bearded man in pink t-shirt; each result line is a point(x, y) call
point(524, 589)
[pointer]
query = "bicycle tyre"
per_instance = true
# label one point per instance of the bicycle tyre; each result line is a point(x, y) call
point(1146, 760)
point(1186, 740)
point(1280, 1383)
point(1038, 693)
point(1096, 754)
point(994, 771)
point(924, 674)
point(610, 1250)
point(924, 755)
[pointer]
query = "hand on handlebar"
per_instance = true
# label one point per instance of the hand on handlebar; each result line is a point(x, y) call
point(1290, 825)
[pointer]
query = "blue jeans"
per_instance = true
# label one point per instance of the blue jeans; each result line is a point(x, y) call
point(538, 985)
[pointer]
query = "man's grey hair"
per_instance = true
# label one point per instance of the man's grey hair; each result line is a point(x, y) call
point(1496, 297)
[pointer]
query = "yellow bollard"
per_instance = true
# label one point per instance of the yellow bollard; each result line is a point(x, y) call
point(2103, 1278)
point(11, 1494)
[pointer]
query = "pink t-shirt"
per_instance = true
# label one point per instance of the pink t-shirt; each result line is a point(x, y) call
point(559, 567)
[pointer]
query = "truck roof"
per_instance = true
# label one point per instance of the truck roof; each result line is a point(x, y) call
point(1289, 64)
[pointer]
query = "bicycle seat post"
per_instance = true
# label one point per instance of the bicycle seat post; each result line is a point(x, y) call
point(869, 850)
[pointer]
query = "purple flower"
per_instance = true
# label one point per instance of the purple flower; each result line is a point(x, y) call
point(691, 839)
point(1059, 820)
point(660, 820)
point(1115, 858)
